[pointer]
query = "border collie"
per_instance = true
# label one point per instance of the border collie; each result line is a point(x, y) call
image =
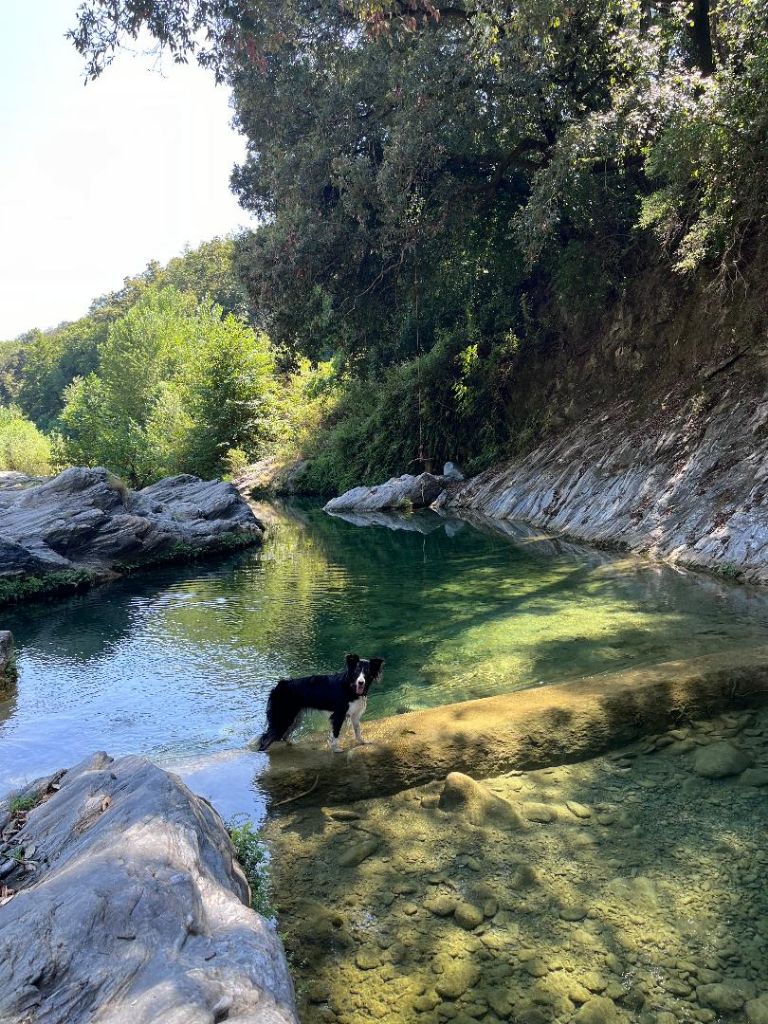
point(344, 694)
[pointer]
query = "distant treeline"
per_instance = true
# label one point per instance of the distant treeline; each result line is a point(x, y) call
point(447, 192)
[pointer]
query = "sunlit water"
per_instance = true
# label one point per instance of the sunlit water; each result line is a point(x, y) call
point(177, 663)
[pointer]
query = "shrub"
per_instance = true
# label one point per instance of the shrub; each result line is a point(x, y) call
point(23, 447)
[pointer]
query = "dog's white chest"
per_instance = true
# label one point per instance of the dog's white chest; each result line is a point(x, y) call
point(357, 708)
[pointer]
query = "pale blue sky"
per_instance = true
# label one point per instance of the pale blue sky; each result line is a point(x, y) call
point(98, 179)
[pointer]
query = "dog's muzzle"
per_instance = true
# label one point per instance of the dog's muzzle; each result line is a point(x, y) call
point(360, 687)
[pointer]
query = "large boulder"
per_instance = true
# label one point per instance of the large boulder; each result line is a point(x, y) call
point(401, 492)
point(88, 519)
point(131, 909)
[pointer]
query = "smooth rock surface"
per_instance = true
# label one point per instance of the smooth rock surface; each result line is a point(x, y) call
point(720, 760)
point(88, 519)
point(405, 491)
point(135, 912)
point(687, 487)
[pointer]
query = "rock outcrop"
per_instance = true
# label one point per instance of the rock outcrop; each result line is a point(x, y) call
point(127, 906)
point(86, 519)
point(401, 492)
point(272, 476)
point(690, 487)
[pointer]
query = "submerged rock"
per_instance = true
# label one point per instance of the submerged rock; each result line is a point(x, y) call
point(87, 519)
point(720, 760)
point(135, 911)
point(476, 804)
point(400, 492)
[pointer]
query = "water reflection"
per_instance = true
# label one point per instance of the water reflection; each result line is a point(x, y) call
point(178, 663)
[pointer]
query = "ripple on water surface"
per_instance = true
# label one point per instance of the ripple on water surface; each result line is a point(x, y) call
point(178, 663)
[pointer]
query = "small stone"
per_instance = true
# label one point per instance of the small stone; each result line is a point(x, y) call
point(756, 1010)
point(572, 912)
point(541, 813)
point(593, 981)
point(426, 1002)
point(755, 777)
point(367, 958)
point(682, 747)
point(577, 809)
point(318, 992)
point(457, 977)
point(357, 854)
point(536, 967)
point(464, 796)
point(410, 909)
point(720, 760)
point(677, 987)
point(467, 915)
point(727, 997)
point(598, 1010)
point(441, 906)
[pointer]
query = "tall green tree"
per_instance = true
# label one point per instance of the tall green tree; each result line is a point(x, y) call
point(177, 385)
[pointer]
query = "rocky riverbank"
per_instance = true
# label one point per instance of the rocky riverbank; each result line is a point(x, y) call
point(121, 900)
point(689, 484)
point(86, 525)
point(628, 888)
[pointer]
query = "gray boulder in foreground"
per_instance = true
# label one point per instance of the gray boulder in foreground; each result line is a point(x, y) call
point(88, 519)
point(400, 492)
point(135, 911)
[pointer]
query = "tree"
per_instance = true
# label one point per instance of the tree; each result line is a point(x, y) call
point(175, 388)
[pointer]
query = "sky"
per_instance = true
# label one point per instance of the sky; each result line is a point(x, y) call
point(98, 179)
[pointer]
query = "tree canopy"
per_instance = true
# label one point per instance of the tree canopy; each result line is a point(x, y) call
point(413, 161)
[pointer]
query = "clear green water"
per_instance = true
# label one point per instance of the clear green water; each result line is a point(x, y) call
point(177, 664)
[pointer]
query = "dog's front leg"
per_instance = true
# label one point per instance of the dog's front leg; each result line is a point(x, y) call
point(337, 721)
point(356, 709)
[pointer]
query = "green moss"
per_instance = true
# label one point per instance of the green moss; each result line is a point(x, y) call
point(251, 852)
point(68, 581)
point(72, 581)
point(20, 804)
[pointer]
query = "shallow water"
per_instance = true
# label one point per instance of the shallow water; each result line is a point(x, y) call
point(177, 663)
point(627, 889)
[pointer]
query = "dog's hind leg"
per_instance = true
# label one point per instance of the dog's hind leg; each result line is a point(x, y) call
point(337, 721)
point(267, 739)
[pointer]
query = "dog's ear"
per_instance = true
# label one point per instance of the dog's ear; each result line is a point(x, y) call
point(352, 660)
point(377, 664)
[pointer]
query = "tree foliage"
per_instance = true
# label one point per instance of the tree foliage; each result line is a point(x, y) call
point(23, 447)
point(176, 386)
point(424, 171)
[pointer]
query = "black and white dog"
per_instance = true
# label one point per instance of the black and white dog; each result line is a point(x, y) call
point(344, 694)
